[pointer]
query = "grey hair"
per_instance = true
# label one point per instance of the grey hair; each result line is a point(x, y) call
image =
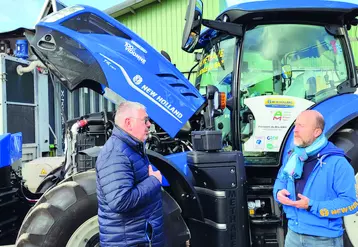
point(126, 109)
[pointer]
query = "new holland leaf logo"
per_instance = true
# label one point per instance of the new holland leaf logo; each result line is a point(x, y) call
point(324, 212)
point(137, 79)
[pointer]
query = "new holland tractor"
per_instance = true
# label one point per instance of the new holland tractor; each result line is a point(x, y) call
point(219, 143)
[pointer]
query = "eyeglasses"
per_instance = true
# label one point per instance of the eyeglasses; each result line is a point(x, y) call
point(146, 119)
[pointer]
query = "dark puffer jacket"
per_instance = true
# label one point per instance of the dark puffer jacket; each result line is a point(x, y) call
point(129, 200)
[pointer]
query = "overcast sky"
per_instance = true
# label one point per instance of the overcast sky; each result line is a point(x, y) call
point(12, 16)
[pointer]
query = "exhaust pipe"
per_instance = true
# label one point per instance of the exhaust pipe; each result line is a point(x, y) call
point(21, 70)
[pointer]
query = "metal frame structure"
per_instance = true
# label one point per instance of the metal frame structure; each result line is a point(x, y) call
point(40, 105)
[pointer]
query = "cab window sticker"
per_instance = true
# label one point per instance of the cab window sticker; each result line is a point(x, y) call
point(211, 62)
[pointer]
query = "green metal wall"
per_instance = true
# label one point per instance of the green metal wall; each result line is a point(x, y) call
point(162, 24)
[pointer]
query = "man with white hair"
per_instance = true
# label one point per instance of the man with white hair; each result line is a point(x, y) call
point(130, 209)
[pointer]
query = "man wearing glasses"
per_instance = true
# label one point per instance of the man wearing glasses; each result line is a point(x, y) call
point(128, 190)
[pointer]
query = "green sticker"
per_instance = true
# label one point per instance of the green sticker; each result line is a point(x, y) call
point(269, 146)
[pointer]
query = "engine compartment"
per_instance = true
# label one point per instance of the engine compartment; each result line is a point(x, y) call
point(85, 134)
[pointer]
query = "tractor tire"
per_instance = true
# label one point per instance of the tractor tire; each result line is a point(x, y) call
point(61, 212)
point(66, 216)
point(347, 139)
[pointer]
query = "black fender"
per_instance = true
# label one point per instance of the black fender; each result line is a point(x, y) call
point(347, 120)
point(180, 187)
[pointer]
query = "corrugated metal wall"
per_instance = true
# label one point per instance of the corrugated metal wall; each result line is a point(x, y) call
point(162, 24)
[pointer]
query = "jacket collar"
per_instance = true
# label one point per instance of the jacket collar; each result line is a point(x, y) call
point(130, 140)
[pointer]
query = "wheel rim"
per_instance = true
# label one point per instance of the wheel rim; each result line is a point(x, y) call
point(351, 223)
point(86, 235)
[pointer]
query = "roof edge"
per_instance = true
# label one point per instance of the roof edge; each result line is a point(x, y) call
point(128, 6)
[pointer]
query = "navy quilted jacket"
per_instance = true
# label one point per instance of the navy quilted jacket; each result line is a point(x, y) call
point(129, 200)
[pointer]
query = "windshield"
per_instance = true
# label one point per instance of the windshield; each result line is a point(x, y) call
point(284, 70)
point(310, 52)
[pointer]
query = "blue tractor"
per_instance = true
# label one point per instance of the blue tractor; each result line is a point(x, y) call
point(219, 143)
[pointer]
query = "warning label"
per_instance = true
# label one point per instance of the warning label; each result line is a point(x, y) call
point(43, 172)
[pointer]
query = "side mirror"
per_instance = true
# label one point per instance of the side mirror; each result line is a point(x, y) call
point(286, 72)
point(193, 19)
point(216, 103)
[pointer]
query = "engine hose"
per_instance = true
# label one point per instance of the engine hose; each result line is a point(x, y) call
point(21, 70)
point(95, 121)
point(156, 138)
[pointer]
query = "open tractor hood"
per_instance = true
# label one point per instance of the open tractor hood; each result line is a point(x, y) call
point(83, 47)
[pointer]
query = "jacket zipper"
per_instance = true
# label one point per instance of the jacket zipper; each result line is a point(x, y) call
point(150, 238)
point(294, 197)
point(314, 172)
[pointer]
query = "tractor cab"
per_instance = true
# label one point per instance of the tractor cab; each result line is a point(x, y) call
point(274, 59)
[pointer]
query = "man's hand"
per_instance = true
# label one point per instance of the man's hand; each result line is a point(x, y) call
point(282, 197)
point(302, 203)
point(156, 174)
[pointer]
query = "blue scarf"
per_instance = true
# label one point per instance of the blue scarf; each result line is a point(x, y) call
point(294, 166)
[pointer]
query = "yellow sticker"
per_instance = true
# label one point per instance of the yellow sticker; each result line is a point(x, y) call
point(43, 172)
point(275, 102)
point(324, 212)
point(251, 211)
